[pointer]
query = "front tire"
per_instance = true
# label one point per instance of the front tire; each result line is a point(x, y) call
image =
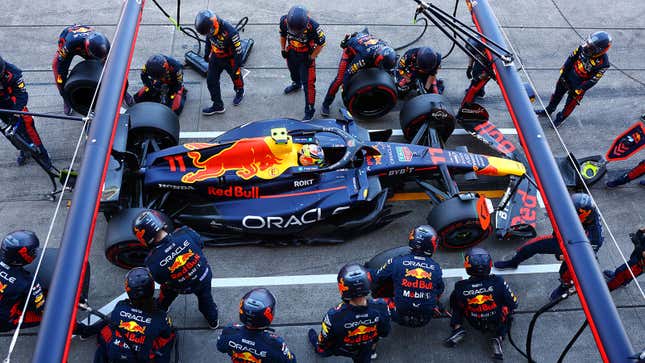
point(461, 221)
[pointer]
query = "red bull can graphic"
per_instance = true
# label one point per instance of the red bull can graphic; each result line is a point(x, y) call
point(132, 327)
point(418, 273)
point(181, 260)
point(244, 357)
point(247, 157)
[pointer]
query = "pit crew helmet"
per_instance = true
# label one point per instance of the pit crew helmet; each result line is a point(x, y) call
point(97, 45)
point(584, 207)
point(423, 240)
point(147, 225)
point(206, 22)
point(478, 262)
point(257, 308)
point(297, 19)
point(19, 248)
point(139, 284)
point(597, 44)
point(353, 281)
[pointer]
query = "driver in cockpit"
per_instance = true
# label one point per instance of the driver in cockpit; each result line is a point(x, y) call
point(311, 154)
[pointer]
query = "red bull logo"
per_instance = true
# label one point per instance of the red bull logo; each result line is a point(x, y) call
point(480, 299)
point(361, 330)
point(2, 287)
point(235, 192)
point(139, 234)
point(418, 273)
point(341, 286)
point(244, 357)
point(181, 260)
point(248, 157)
point(132, 327)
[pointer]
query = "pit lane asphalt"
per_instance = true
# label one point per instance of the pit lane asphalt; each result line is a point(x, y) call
point(541, 37)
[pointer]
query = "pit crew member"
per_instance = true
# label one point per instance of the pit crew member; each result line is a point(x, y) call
point(177, 263)
point(484, 300)
point(301, 41)
point(163, 82)
point(352, 328)
point(253, 340)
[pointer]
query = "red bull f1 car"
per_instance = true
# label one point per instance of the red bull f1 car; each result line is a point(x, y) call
point(247, 187)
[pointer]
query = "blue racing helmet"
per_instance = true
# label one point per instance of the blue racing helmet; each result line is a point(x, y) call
point(257, 308)
point(147, 225)
point(423, 240)
point(478, 262)
point(297, 19)
point(19, 248)
point(353, 281)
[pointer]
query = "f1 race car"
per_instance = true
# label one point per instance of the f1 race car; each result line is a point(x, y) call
point(246, 186)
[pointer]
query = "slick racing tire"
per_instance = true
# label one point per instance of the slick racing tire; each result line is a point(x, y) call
point(459, 223)
point(429, 108)
point(81, 85)
point(151, 121)
point(122, 248)
point(384, 290)
point(46, 272)
point(370, 94)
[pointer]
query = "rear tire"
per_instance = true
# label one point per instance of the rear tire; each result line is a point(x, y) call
point(459, 223)
point(385, 289)
point(46, 271)
point(429, 108)
point(81, 85)
point(152, 121)
point(122, 248)
point(371, 93)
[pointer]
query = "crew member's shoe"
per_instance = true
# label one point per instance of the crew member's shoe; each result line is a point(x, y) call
point(623, 179)
point(559, 120)
point(324, 110)
point(505, 264)
point(128, 99)
point(213, 110)
point(239, 96)
point(496, 347)
point(542, 111)
point(22, 158)
point(313, 338)
point(609, 274)
point(309, 112)
point(455, 337)
point(67, 109)
point(213, 324)
point(293, 87)
point(559, 291)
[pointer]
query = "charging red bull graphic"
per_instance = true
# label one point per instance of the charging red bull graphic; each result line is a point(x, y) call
point(181, 260)
point(418, 273)
point(360, 334)
point(481, 303)
point(244, 357)
point(132, 327)
point(248, 157)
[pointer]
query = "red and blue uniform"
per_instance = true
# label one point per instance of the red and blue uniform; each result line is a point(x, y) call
point(167, 89)
point(351, 331)
point(417, 285)
point(407, 68)
point(479, 72)
point(71, 42)
point(134, 335)
point(14, 96)
point(485, 302)
point(246, 345)
point(223, 53)
point(361, 51)
point(636, 263)
point(299, 47)
point(179, 265)
point(578, 74)
point(635, 173)
point(15, 282)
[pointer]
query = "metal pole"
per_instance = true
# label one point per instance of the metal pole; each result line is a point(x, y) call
point(61, 307)
point(609, 333)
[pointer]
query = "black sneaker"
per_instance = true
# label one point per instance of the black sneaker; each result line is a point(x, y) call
point(239, 96)
point(559, 120)
point(313, 338)
point(542, 112)
point(455, 337)
point(609, 274)
point(67, 109)
point(502, 265)
point(309, 113)
point(22, 158)
point(213, 110)
point(293, 87)
point(213, 324)
point(324, 110)
point(128, 99)
point(496, 347)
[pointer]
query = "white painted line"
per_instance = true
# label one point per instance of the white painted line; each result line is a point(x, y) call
point(330, 279)
point(245, 72)
point(395, 132)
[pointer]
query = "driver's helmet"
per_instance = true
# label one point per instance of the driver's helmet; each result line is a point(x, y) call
point(311, 154)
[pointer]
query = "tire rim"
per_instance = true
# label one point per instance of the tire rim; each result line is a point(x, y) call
point(127, 254)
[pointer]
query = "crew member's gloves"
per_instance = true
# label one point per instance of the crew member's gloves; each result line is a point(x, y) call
point(284, 54)
point(343, 43)
point(578, 92)
point(469, 72)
